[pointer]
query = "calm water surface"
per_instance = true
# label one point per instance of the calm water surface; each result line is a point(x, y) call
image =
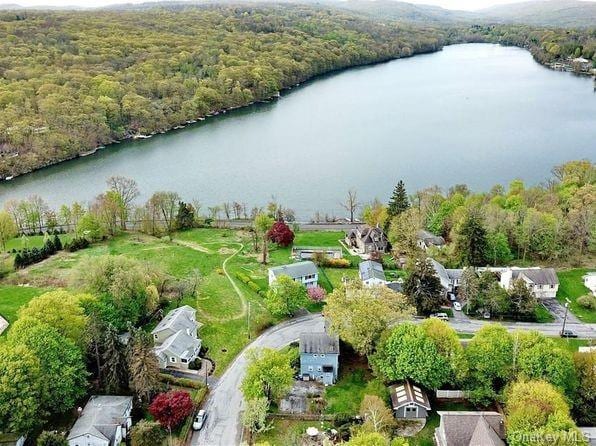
point(478, 114)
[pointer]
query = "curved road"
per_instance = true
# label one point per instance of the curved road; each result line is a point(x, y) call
point(225, 401)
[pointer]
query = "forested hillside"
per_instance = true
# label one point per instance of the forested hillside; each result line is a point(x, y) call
point(70, 81)
point(563, 13)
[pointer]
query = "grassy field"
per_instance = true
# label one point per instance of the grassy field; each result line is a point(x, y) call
point(571, 286)
point(288, 432)
point(14, 297)
point(32, 241)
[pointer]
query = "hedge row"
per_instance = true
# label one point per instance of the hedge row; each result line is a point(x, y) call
point(181, 382)
point(252, 285)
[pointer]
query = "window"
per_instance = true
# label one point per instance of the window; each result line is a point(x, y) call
point(172, 359)
point(322, 355)
point(184, 361)
point(310, 368)
point(315, 355)
point(319, 369)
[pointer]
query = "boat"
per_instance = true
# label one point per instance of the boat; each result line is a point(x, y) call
point(178, 127)
point(141, 137)
point(9, 178)
point(89, 152)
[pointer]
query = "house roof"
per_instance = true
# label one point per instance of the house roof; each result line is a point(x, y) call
point(538, 276)
point(366, 233)
point(469, 428)
point(430, 239)
point(407, 393)
point(101, 417)
point(319, 343)
point(398, 287)
point(440, 270)
point(317, 248)
point(180, 344)
point(180, 318)
point(295, 270)
point(371, 270)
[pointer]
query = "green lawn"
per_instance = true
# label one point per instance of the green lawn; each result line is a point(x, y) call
point(14, 297)
point(426, 435)
point(32, 241)
point(570, 344)
point(288, 432)
point(571, 286)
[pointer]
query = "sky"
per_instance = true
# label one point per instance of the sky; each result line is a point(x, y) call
point(448, 4)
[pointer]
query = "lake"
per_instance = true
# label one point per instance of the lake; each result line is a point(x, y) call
point(477, 113)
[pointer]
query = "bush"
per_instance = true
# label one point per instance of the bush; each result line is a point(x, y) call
point(76, 243)
point(321, 259)
point(147, 433)
point(252, 285)
point(316, 293)
point(588, 301)
point(181, 382)
point(26, 256)
point(338, 263)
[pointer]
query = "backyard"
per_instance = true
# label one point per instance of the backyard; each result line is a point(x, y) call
point(571, 286)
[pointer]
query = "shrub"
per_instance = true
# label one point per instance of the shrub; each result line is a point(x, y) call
point(76, 243)
point(181, 382)
point(147, 433)
point(338, 263)
point(588, 301)
point(316, 293)
point(171, 408)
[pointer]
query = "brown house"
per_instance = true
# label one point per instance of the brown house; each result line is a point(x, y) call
point(366, 239)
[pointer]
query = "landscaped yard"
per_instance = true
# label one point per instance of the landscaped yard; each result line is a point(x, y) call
point(288, 432)
point(571, 286)
point(14, 297)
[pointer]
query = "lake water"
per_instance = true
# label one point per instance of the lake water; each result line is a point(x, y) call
point(478, 114)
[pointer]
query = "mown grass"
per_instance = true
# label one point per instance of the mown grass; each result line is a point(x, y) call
point(288, 432)
point(571, 286)
point(12, 298)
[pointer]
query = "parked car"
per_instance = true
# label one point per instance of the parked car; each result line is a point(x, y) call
point(568, 334)
point(456, 306)
point(199, 420)
point(442, 316)
point(452, 297)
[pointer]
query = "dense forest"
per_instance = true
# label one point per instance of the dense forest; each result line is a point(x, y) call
point(70, 81)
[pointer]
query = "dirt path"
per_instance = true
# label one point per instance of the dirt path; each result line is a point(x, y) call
point(192, 245)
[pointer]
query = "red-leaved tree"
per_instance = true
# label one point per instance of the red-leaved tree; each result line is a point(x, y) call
point(281, 234)
point(171, 408)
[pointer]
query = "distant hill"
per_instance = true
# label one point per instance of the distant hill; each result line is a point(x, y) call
point(562, 13)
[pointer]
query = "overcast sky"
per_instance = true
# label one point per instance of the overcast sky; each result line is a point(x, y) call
point(450, 4)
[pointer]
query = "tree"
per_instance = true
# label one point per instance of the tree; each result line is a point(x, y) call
point(21, 387)
point(147, 433)
point(128, 190)
point(113, 369)
point(489, 356)
point(470, 240)
point(407, 352)
point(497, 248)
point(281, 234)
point(254, 417)
point(185, 218)
point(403, 232)
point(399, 200)
point(269, 374)
point(47, 438)
point(368, 439)
point(262, 224)
point(360, 314)
point(61, 310)
point(536, 409)
point(171, 408)
point(423, 287)
point(351, 204)
point(316, 293)
point(376, 415)
point(286, 296)
point(88, 227)
point(523, 301)
point(164, 205)
point(448, 346)
point(8, 228)
point(585, 400)
point(375, 214)
point(65, 377)
point(143, 369)
point(469, 285)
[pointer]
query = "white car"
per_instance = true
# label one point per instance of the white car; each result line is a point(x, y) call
point(442, 316)
point(456, 306)
point(199, 420)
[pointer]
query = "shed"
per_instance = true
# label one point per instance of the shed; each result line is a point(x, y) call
point(408, 401)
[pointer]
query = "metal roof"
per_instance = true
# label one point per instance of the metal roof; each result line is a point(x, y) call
point(319, 343)
point(407, 393)
point(101, 417)
point(295, 270)
point(370, 269)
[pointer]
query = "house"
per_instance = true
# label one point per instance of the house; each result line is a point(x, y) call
point(428, 240)
point(105, 421)
point(319, 357)
point(10, 439)
point(366, 239)
point(470, 429)
point(304, 272)
point(371, 273)
point(590, 281)
point(307, 252)
point(176, 340)
point(396, 285)
point(450, 278)
point(408, 401)
point(542, 282)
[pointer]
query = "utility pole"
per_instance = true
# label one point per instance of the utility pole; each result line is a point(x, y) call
point(565, 317)
point(248, 321)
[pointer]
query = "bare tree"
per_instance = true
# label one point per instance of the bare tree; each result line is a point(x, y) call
point(166, 204)
point(351, 204)
point(128, 190)
point(227, 209)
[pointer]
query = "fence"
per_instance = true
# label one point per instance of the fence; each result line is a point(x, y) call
point(452, 394)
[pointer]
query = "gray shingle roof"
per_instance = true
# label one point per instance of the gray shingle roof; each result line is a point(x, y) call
point(181, 318)
point(408, 393)
point(430, 239)
point(101, 417)
point(179, 344)
point(318, 343)
point(472, 428)
point(295, 270)
point(540, 276)
point(369, 270)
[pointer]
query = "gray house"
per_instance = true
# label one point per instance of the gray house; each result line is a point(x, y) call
point(371, 273)
point(304, 272)
point(105, 421)
point(450, 278)
point(470, 429)
point(428, 240)
point(319, 357)
point(175, 338)
point(366, 239)
point(408, 401)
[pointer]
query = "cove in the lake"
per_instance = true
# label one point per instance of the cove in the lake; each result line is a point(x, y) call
point(478, 114)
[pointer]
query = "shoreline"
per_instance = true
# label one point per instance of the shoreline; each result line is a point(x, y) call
point(553, 66)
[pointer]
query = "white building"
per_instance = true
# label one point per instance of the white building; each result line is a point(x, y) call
point(542, 282)
point(450, 278)
point(105, 421)
point(590, 281)
point(371, 273)
point(304, 272)
point(176, 339)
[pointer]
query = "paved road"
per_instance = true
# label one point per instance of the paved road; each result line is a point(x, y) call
point(224, 403)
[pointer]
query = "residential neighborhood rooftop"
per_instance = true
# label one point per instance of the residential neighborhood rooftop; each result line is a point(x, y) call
point(102, 416)
point(470, 428)
point(180, 318)
point(370, 269)
point(294, 270)
point(539, 276)
point(407, 393)
point(319, 343)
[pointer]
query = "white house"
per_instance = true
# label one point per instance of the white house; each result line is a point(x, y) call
point(175, 338)
point(304, 272)
point(590, 281)
point(105, 421)
point(542, 282)
point(450, 278)
point(428, 240)
point(371, 273)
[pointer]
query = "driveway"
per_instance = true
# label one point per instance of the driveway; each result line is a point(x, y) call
point(558, 311)
point(225, 401)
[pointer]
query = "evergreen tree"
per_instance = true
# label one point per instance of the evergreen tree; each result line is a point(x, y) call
point(57, 243)
point(470, 241)
point(399, 200)
point(143, 369)
point(185, 219)
point(523, 301)
point(423, 287)
point(112, 369)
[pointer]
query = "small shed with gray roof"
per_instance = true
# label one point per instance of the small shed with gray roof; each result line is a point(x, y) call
point(304, 272)
point(104, 421)
point(371, 273)
point(409, 401)
point(319, 357)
